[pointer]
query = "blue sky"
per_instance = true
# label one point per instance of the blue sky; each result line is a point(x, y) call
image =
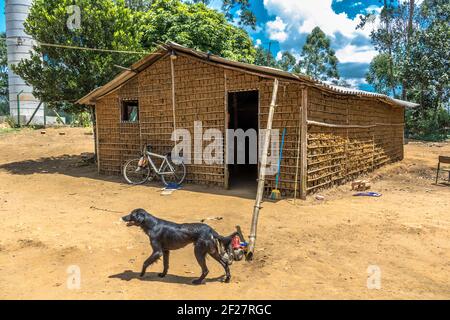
point(286, 23)
point(2, 16)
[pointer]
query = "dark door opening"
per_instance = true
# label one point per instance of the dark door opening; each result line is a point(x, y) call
point(243, 114)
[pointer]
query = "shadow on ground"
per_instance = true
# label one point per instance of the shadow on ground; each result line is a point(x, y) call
point(128, 275)
point(75, 166)
point(71, 165)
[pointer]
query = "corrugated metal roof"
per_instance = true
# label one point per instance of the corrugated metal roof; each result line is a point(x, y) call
point(246, 67)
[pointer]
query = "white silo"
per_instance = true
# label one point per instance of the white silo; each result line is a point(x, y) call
point(19, 45)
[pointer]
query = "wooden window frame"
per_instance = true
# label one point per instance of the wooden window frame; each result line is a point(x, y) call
point(124, 104)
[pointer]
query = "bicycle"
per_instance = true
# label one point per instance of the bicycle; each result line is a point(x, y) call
point(139, 170)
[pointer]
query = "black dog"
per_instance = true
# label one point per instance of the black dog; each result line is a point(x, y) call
point(165, 236)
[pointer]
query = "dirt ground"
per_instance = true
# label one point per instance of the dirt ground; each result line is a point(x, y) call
point(57, 212)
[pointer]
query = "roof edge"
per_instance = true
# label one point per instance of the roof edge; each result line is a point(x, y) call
point(123, 77)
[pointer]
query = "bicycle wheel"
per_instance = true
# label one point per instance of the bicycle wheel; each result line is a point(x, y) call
point(134, 174)
point(178, 173)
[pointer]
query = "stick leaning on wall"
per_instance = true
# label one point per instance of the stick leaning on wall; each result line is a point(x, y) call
point(262, 170)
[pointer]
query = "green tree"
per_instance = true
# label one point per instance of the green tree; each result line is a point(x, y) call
point(429, 80)
point(195, 26)
point(429, 77)
point(414, 45)
point(317, 59)
point(4, 107)
point(379, 74)
point(264, 57)
point(394, 37)
point(61, 76)
point(287, 61)
point(246, 17)
point(384, 38)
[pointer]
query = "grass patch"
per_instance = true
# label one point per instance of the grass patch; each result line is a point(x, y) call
point(8, 130)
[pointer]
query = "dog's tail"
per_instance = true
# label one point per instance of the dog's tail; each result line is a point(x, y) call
point(226, 241)
point(223, 244)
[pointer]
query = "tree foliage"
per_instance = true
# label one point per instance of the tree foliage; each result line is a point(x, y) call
point(61, 76)
point(317, 59)
point(197, 27)
point(246, 17)
point(379, 74)
point(414, 45)
point(264, 57)
point(287, 61)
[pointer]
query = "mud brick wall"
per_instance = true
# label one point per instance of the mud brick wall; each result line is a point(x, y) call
point(334, 155)
point(118, 141)
point(200, 96)
point(287, 115)
point(338, 155)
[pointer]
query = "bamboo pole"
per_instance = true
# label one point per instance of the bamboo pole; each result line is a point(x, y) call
point(330, 125)
point(262, 168)
point(227, 123)
point(304, 145)
point(97, 145)
point(297, 160)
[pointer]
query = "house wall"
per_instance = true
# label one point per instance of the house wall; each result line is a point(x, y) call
point(201, 95)
point(117, 141)
point(337, 155)
point(334, 155)
point(287, 115)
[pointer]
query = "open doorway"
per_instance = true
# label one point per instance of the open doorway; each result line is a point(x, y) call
point(243, 114)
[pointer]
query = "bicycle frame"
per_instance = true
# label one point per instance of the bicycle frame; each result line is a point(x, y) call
point(159, 171)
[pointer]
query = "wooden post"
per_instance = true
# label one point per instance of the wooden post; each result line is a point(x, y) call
point(227, 124)
point(299, 144)
point(373, 147)
point(235, 111)
point(172, 71)
point(34, 113)
point(346, 139)
point(304, 145)
point(97, 146)
point(262, 169)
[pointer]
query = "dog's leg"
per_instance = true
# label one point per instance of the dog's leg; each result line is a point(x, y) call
point(166, 263)
point(213, 253)
point(155, 256)
point(200, 251)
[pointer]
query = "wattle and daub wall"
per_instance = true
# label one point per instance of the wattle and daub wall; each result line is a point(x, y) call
point(334, 154)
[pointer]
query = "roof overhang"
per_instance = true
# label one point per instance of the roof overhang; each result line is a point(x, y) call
point(267, 72)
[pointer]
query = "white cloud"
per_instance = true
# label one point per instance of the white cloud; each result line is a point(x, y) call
point(258, 42)
point(351, 53)
point(355, 82)
point(304, 15)
point(279, 56)
point(276, 30)
point(295, 20)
